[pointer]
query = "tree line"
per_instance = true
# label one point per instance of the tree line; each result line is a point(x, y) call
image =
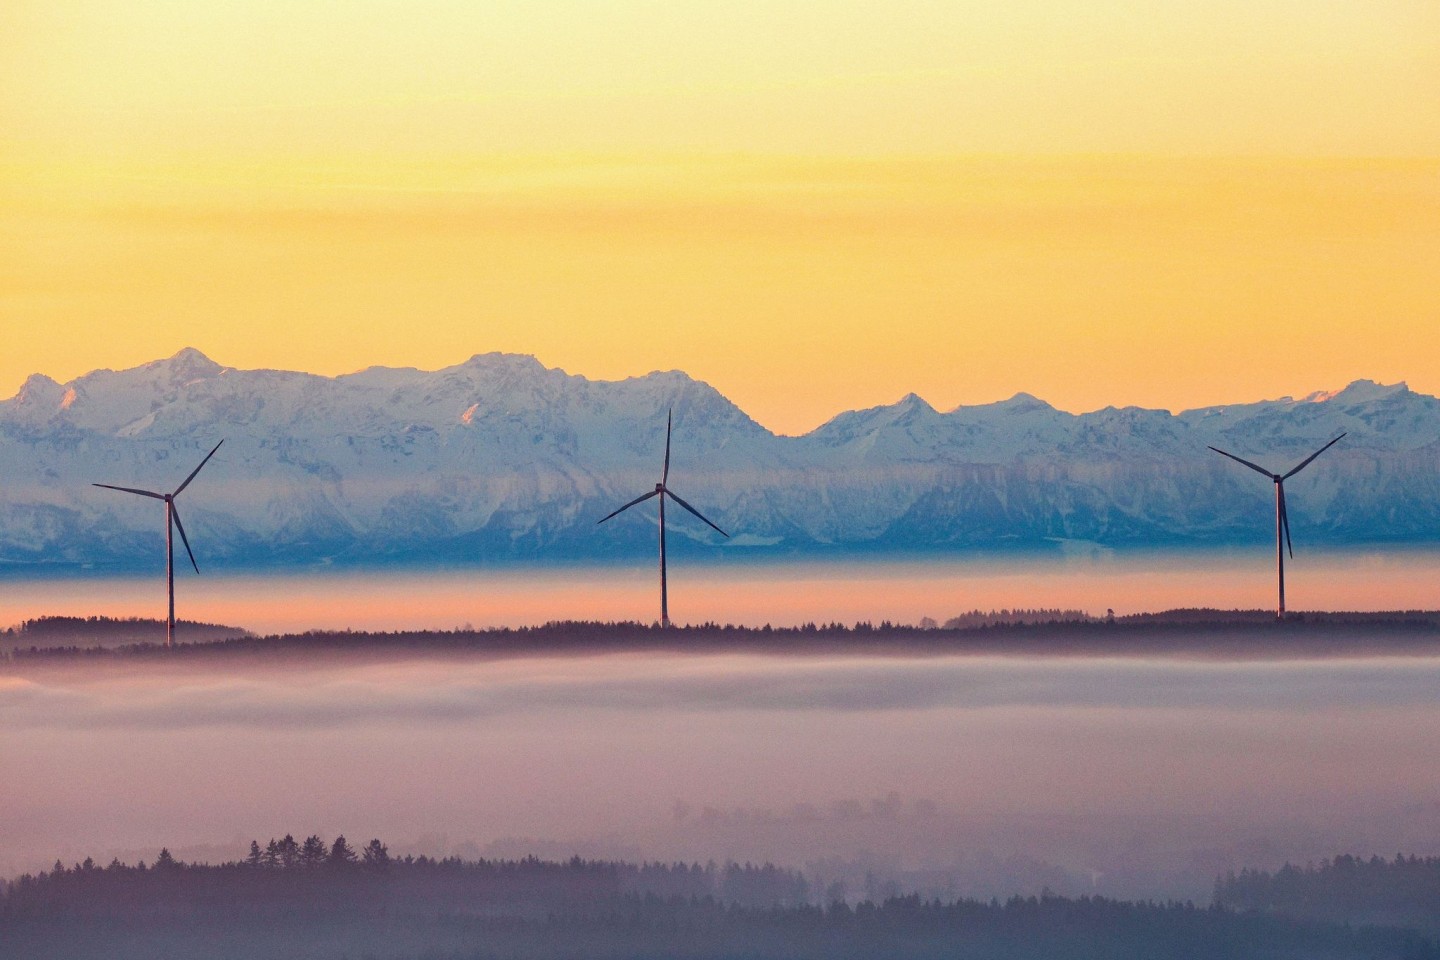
point(331, 900)
point(310, 874)
point(1404, 891)
point(1018, 631)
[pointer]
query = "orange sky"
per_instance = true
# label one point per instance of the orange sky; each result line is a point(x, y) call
point(812, 206)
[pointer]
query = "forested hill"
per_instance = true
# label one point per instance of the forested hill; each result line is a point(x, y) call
point(327, 901)
point(1400, 892)
point(95, 631)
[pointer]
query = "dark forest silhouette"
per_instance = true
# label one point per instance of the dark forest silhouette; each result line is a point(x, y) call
point(308, 875)
point(1400, 892)
point(309, 898)
point(63, 631)
point(1199, 632)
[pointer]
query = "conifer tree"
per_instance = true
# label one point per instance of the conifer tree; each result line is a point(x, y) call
point(313, 852)
point(289, 851)
point(341, 853)
point(376, 854)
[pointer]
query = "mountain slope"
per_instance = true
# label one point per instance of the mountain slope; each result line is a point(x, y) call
point(500, 457)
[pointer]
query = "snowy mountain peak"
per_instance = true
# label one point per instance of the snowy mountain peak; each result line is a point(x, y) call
point(666, 378)
point(1023, 403)
point(1019, 403)
point(884, 414)
point(692, 400)
point(1360, 391)
point(38, 390)
point(908, 413)
point(185, 366)
point(913, 401)
point(911, 410)
point(496, 360)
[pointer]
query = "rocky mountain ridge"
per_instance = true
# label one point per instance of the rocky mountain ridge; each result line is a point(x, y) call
point(501, 458)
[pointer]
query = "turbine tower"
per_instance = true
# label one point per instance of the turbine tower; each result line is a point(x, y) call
point(172, 523)
point(1282, 517)
point(662, 490)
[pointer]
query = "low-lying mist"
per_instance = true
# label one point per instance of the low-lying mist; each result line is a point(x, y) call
point(972, 775)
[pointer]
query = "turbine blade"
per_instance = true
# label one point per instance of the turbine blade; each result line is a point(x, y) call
point(1285, 522)
point(143, 493)
point(196, 470)
point(1255, 467)
point(175, 515)
point(665, 474)
point(694, 511)
point(1306, 462)
point(627, 506)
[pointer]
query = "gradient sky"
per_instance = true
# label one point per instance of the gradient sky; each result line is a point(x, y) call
point(813, 206)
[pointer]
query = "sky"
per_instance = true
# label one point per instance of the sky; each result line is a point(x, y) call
point(812, 206)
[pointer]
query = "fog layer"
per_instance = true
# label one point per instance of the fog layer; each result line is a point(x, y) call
point(1128, 776)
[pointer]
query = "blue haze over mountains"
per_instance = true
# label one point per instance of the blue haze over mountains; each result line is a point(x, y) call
point(502, 459)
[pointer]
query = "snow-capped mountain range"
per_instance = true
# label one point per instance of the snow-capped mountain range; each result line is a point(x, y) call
point(502, 458)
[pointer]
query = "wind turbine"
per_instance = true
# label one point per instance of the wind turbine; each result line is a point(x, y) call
point(662, 491)
point(1282, 517)
point(172, 523)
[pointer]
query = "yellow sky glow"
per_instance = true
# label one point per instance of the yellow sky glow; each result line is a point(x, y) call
point(811, 206)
